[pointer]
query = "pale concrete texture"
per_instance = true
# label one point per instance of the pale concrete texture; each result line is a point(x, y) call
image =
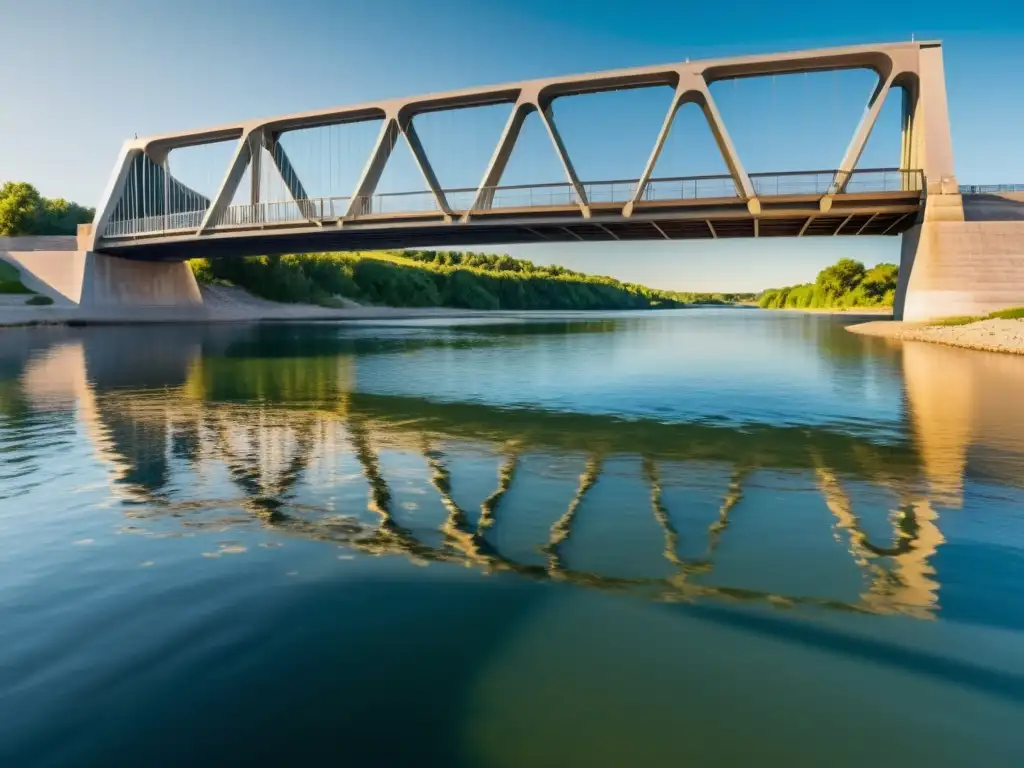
point(50, 266)
point(110, 281)
point(54, 267)
point(953, 268)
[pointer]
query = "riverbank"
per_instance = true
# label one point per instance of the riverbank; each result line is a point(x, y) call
point(990, 335)
point(221, 304)
point(230, 304)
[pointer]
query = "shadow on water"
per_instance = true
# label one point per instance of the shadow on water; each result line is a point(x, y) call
point(267, 704)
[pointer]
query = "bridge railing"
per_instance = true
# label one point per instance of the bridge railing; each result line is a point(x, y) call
point(690, 188)
point(557, 194)
point(150, 225)
point(537, 196)
point(832, 182)
point(391, 203)
point(989, 189)
point(284, 212)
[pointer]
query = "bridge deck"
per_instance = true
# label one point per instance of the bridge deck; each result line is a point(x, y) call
point(883, 202)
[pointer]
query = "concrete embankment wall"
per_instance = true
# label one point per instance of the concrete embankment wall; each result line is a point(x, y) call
point(56, 267)
point(952, 268)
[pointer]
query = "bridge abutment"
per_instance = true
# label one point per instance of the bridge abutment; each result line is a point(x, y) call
point(108, 281)
point(59, 268)
point(959, 261)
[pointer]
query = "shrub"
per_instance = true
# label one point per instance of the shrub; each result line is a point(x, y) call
point(40, 301)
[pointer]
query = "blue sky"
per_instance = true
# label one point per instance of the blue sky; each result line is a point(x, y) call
point(89, 75)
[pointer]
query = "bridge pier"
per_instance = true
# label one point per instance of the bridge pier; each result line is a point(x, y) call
point(964, 257)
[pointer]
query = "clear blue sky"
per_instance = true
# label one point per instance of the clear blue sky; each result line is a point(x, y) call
point(84, 76)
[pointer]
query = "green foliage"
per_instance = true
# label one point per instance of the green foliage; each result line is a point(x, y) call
point(10, 279)
point(1008, 314)
point(438, 278)
point(40, 301)
point(958, 320)
point(1016, 313)
point(23, 211)
point(19, 206)
point(59, 217)
point(845, 284)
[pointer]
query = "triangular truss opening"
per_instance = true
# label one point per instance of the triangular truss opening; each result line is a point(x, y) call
point(626, 120)
point(328, 160)
point(534, 175)
point(690, 164)
point(794, 123)
point(459, 144)
point(401, 187)
point(201, 170)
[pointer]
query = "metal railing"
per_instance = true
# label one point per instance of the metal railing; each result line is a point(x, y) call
point(286, 212)
point(693, 188)
point(989, 189)
point(832, 182)
point(557, 194)
point(395, 203)
point(150, 225)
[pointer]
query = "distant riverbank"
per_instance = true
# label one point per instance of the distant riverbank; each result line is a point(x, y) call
point(221, 304)
point(230, 304)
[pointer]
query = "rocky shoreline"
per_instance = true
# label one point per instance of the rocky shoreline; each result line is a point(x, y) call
point(994, 335)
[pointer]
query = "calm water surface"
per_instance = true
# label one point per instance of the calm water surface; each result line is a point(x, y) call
point(707, 537)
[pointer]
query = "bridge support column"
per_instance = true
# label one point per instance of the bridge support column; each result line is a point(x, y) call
point(954, 268)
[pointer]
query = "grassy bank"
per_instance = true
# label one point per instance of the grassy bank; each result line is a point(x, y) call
point(10, 280)
point(433, 279)
point(1017, 313)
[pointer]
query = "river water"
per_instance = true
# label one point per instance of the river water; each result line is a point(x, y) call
point(706, 537)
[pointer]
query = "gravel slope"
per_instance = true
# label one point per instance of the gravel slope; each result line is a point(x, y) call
point(990, 335)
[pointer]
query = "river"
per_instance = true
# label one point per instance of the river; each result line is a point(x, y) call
point(706, 537)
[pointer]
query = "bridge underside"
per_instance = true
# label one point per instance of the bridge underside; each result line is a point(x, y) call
point(890, 213)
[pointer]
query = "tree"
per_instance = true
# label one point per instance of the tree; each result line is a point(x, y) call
point(879, 280)
point(24, 212)
point(842, 277)
point(20, 204)
point(59, 217)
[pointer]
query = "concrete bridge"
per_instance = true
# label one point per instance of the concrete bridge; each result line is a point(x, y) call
point(956, 258)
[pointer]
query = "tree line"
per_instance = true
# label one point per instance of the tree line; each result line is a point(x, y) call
point(23, 211)
point(844, 284)
point(435, 279)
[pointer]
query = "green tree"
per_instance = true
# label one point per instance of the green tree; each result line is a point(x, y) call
point(20, 205)
point(879, 280)
point(844, 284)
point(60, 217)
point(841, 277)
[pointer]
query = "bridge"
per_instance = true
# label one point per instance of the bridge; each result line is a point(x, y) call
point(949, 265)
point(149, 214)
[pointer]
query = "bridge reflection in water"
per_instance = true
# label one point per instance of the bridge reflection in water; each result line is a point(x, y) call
point(285, 429)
